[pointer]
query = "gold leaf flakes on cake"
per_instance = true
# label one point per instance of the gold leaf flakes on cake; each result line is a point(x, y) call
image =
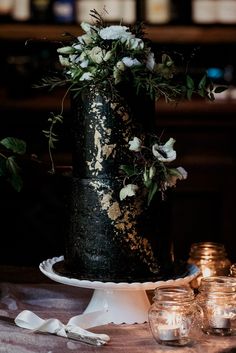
point(108, 131)
point(105, 201)
point(111, 207)
point(89, 165)
point(114, 211)
point(97, 143)
point(95, 184)
point(120, 111)
point(123, 219)
point(127, 232)
point(108, 149)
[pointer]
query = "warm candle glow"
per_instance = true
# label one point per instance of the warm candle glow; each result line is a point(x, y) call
point(210, 258)
point(172, 314)
point(216, 297)
point(218, 318)
point(207, 272)
point(168, 333)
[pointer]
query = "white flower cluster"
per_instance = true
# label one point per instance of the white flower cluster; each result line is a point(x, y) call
point(161, 154)
point(105, 52)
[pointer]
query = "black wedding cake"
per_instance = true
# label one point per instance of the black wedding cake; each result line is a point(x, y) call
point(109, 238)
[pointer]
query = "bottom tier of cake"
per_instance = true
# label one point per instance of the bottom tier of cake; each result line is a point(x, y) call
point(112, 240)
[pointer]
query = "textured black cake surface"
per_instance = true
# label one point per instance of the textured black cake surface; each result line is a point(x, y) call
point(173, 271)
point(109, 239)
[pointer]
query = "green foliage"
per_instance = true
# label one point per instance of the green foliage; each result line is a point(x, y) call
point(9, 167)
point(152, 190)
point(129, 170)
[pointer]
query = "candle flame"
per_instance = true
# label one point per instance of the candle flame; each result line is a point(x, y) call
point(207, 272)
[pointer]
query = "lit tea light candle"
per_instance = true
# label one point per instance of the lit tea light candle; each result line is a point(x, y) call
point(168, 333)
point(220, 322)
point(172, 314)
point(218, 319)
point(207, 272)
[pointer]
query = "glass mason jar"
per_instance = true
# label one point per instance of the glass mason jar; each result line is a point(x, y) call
point(210, 258)
point(172, 315)
point(233, 270)
point(217, 299)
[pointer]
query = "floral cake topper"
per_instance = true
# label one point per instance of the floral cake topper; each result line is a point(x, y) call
point(110, 57)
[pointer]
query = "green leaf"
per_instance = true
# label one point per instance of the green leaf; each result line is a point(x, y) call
point(58, 118)
point(152, 191)
point(10, 170)
point(129, 170)
point(14, 144)
point(12, 166)
point(51, 144)
point(46, 133)
point(190, 82)
point(202, 83)
point(189, 93)
point(148, 183)
point(16, 182)
point(3, 168)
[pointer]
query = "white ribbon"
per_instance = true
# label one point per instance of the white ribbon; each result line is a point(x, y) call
point(75, 328)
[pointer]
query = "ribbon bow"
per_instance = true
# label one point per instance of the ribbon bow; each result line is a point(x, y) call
point(29, 320)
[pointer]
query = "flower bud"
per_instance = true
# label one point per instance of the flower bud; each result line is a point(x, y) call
point(152, 172)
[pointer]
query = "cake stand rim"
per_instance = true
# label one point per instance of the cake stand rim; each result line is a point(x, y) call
point(46, 267)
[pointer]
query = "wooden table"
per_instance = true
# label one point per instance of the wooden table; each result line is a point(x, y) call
point(27, 289)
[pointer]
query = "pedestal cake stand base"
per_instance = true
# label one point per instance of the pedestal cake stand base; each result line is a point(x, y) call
point(121, 302)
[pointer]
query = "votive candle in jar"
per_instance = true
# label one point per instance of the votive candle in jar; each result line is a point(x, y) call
point(217, 299)
point(210, 258)
point(233, 270)
point(172, 315)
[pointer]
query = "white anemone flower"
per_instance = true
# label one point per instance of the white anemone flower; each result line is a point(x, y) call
point(183, 173)
point(64, 61)
point(135, 144)
point(165, 153)
point(129, 62)
point(128, 190)
point(114, 32)
point(86, 76)
point(176, 174)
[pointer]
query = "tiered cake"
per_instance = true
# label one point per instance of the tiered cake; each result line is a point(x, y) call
point(110, 239)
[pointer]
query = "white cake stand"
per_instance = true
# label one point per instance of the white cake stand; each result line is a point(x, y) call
point(122, 302)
